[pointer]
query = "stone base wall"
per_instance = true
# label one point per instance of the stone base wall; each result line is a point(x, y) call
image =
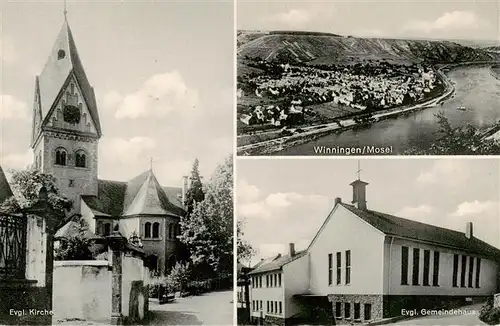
point(272, 320)
point(496, 300)
point(376, 311)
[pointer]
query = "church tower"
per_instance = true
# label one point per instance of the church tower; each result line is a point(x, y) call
point(66, 128)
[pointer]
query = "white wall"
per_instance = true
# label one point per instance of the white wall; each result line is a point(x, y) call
point(82, 289)
point(345, 231)
point(132, 270)
point(488, 272)
point(87, 215)
point(265, 294)
point(35, 250)
point(296, 282)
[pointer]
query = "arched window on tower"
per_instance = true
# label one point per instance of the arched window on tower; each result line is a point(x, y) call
point(178, 229)
point(61, 156)
point(80, 159)
point(147, 230)
point(107, 229)
point(156, 230)
point(170, 230)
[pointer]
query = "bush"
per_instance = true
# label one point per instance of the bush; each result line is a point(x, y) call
point(489, 314)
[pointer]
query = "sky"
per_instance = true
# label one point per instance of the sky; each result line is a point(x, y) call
point(469, 19)
point(129, 49)
point(284, 201)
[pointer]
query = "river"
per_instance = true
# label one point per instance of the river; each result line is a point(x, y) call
point(475, 88)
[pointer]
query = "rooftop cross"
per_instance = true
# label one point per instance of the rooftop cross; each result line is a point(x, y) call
point(65, 11)
point(151, 163)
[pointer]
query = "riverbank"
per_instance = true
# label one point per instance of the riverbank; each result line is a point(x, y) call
point(308, 134)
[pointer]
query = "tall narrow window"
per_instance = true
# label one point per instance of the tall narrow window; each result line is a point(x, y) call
point(471, 272)
point(455, 271)
point(368, 311)
point(404, 265)
point(268, 306)
point(416, 266)
point(463, 269)
point(267, 281)
point(147, 230)
point(357, 311)
point(435, 269)
point(478, 271)
point(275, 307)
point(347, 310)
point(338, 309)
point(339, 268)
point(427, 262)
point(61, 156)
point(80, 159)
point(99, 229)
point(279, 280)
point(281, 308)
point(347, 267)
point(271, 280)
point(275, 279)
point(330, 267)
point(156, 230)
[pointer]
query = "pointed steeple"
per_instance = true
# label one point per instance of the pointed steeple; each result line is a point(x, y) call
point(63, 63)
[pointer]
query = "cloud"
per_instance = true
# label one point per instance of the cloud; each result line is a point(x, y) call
point(17, 161)
point(455, 20)
point(246, 192)
point(12, 108)
point(159, 96)
point(447, 172)
point(253, 210)
point(476, 207)
point(415, 212)
point(292, 18)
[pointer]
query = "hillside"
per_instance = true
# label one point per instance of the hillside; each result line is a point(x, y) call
point(328, 49)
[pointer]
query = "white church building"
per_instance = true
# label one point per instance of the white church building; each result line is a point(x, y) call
point(363, 266)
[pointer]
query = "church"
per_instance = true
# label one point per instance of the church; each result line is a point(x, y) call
point(65, 137)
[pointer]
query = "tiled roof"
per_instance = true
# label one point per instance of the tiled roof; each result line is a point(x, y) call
point(5, 191)
point(174, 194)
point(141, 195)
point(275, 263)
point(397, 226)
point(56, 71)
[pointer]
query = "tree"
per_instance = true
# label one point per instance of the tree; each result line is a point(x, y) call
point(178, 277)
point(244, 249)
point(77, 245)
point(208, 233)
point(462, 140)
point(195, 193)
point(26, 186)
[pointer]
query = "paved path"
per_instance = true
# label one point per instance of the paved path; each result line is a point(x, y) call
point(215, 308)
point(457, 319)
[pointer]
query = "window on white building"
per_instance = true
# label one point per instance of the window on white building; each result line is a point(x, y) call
point(260, 304)
point(338, 309)
point(330, 271)
point(275, 307)
point(463, 269)
point(368, 311)
point(455, 270)
point(275, 279)
point(427, 263)
point(357, 311)
point(279, 280)
point(281, 307)
point(416, 266)
point(478, 271)
point(404, 265)
point(348, 267)
point(435, 272)
point(339, 268)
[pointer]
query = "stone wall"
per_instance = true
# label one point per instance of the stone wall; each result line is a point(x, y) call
point(376, 302)
point(496, 300)
point(82, 289)
point(273, 320)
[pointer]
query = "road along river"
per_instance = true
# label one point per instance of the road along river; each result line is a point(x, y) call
point(475, 89)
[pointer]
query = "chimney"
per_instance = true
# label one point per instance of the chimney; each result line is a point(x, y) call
point(359, 194)
point(291, 249)
point(184, 189)
point(469, 230)
point(337, 201)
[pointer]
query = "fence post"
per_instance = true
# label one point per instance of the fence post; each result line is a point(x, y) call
point(116, 243)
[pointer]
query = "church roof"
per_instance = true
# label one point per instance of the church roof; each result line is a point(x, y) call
point(72, 229)
point(5, 191)
point(63, 61)
point(142, 195)
point(276, 262)
point(401, 227)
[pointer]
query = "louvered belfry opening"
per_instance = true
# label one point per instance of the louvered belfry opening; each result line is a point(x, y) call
point(12, 246)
